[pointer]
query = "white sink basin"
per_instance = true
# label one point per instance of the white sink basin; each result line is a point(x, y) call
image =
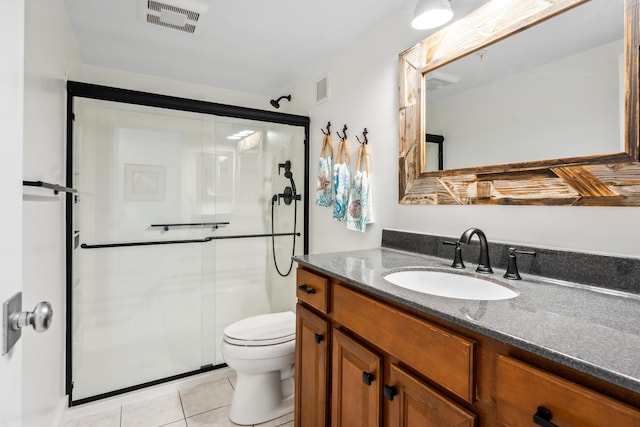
point(451, 284)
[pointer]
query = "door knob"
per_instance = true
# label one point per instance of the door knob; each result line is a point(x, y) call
point(40, 318)
point(14, 319)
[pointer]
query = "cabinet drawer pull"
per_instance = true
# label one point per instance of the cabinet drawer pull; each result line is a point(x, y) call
point(389, 391)
point(367, 378)
point(306, 289)
point(318, 338)
point(543, 417)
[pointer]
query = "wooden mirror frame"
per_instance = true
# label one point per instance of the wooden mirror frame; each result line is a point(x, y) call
point(605, 180)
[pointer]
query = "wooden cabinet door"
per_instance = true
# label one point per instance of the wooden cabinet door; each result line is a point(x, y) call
point(356, 383)
point(411, 403)
point(311, 376)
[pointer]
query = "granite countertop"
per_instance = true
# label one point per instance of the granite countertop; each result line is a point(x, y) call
point(593, 330)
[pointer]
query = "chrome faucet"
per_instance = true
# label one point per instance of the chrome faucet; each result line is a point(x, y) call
point(484, 266)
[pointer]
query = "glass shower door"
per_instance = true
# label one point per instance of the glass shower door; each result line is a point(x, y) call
point(172, 238)
point(246, 281)
point(137, 307)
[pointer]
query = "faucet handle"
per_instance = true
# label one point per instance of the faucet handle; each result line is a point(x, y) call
point(512, 266)
point(457, 259)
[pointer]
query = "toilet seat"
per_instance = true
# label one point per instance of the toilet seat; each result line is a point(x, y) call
point(262, 330)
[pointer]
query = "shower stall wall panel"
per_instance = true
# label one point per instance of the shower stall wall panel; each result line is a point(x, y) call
point(145, 313)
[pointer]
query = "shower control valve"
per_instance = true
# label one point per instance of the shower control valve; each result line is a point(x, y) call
point(288, 196)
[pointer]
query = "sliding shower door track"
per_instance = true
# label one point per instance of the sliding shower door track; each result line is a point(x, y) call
point(206, 368)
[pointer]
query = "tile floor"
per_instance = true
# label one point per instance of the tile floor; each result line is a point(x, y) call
point(203, 405)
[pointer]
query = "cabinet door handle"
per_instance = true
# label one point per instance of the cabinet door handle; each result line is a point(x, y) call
point(543, 417)
point(306, 289)
point(367, 378)
point(318, 338)
point(389, 391)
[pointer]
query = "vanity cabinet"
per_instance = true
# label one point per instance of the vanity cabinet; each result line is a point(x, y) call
point(373, 347)
point(366, 361)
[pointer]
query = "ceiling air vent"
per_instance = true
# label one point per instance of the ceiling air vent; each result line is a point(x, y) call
point(437, 79)
point(322, 90)
point(175, 14)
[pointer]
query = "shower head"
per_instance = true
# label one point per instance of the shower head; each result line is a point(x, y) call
point(276, 102)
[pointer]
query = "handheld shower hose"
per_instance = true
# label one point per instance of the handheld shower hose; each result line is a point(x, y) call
point(290, 194)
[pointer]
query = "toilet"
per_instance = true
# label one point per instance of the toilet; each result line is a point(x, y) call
point(261, 349)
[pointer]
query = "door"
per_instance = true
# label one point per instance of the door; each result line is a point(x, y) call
point(11, 111)
point(356, 383)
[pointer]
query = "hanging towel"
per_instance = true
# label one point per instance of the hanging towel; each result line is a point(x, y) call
point(341, 181)
point(367, 188)
point(324, 193)
point(360, 208)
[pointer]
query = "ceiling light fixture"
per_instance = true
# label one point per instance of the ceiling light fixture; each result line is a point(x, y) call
point(431, 14)
point(241, 134)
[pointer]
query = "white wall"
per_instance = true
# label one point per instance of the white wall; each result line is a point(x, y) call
point(11, 101)
point(363, 93)
point(49, 52)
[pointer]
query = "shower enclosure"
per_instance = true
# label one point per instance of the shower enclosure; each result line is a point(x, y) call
point(170, 236)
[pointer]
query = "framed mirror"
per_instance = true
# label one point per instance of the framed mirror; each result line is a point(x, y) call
point(538, 103)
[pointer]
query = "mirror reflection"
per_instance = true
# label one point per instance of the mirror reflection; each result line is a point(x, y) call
point(553, 91)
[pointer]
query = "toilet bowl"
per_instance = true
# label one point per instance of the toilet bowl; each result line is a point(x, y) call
point(261, 349)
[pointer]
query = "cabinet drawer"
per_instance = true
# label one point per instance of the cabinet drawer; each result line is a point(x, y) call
point(521, 389)
point(312, 289)
point(445, 358)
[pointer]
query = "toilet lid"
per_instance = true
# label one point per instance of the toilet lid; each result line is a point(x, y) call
point(265, 329)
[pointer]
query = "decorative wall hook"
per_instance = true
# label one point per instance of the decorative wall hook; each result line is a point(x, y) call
point(344, 133)
point(364, 135)
point(328, 131)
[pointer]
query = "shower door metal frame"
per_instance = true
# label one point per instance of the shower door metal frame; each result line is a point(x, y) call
point(106, 93)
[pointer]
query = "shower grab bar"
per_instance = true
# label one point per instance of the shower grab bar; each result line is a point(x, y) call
point(170, 242)
point(56, 188)
point(189, 224)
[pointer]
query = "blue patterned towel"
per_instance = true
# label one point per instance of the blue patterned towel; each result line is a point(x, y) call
point(324, 193)
point(341, 184)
